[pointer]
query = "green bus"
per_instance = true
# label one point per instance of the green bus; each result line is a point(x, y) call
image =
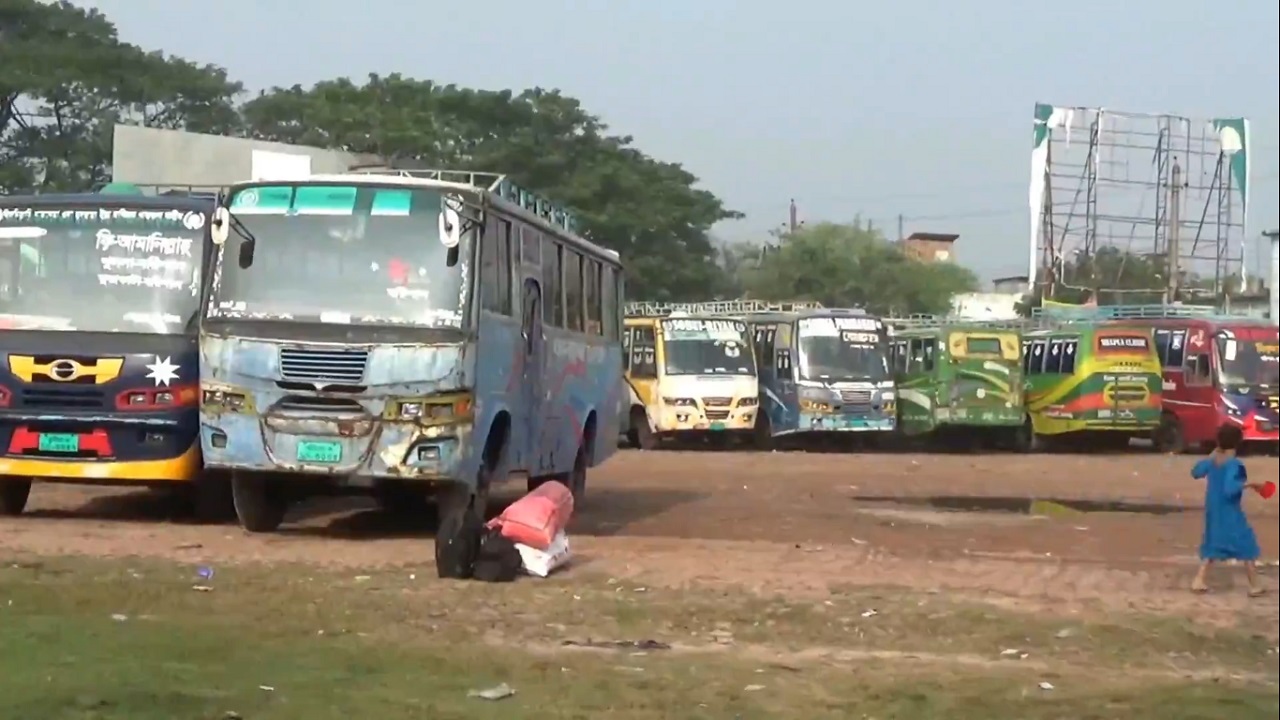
point(960, 382)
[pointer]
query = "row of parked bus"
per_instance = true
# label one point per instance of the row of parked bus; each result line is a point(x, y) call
point(406, 334)
point(1089, 378)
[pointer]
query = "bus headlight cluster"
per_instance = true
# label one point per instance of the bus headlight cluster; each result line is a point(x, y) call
point(680, 402)
point(747, 402)
point(215, 398)
point(814, 406)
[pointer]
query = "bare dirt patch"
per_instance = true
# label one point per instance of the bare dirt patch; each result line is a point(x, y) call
point(1120, 530)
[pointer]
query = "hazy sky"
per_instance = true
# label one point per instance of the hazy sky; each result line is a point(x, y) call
point(916, 107)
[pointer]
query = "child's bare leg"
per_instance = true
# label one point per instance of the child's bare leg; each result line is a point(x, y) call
point(1198, 584)
point(1251, 572)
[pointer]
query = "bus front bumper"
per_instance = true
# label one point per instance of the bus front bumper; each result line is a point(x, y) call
point(356, 454)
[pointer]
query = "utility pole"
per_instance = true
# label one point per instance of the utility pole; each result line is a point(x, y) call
point(1172, 237)
point(902, 234)
point(793, 221)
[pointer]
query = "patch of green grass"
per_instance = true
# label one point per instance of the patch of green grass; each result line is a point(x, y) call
point(96, 640)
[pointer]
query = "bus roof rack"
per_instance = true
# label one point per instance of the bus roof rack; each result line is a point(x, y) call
point(717, 307)
point(1123, 312)
point(496, 183)
point(931, 322)
point(199, 192)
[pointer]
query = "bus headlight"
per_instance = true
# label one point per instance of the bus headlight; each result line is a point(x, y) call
point(748, 402)
point(889, 405)
point(680, 402)
point(814, 406)
point(428, 410)
point(225, 398)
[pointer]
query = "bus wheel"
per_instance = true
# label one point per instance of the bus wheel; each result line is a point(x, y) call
point(260, 503)
point(1023, 439)
point(640, 434)
point(207, 498)
point(577, 480)
point(1168, 437)
point(461, 524)
point(14, 493)
point(763, 434)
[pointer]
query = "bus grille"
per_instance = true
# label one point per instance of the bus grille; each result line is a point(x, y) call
point(67, 398)
point(717, 401)
point(335, 366)
point(855, 397)
point(717, 414)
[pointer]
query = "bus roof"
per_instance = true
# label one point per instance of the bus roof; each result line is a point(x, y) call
point(496, 188)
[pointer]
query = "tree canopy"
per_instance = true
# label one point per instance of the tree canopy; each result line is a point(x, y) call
point(68, 79)
point(853, 266)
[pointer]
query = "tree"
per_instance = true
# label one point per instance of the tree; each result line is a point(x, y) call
point(852, 266)
point(67, 80)
point(649, 211)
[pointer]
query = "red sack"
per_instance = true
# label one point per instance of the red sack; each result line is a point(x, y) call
point(537, 518)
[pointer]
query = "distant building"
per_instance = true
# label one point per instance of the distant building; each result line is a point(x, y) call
point(930, 247)
point(1011, 284)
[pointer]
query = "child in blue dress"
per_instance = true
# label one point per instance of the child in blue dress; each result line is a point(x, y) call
point(1227, 534)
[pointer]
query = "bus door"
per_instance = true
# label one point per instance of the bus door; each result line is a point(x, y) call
point(533, 343)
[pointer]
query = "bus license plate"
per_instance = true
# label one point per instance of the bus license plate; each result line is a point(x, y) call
point(717, 426)
point(313, 451)
point(59, 443)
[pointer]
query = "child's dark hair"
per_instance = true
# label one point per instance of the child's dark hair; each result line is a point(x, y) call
point(1230, 436)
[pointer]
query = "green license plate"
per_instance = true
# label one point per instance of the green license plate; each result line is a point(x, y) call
point(59, 443)
point(717, 426)
point(314, 451)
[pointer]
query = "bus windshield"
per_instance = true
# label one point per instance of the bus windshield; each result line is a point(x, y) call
point(842, 350)
point(706, 347)
point(348, 254)
point(105, 267)
point(1248, 362)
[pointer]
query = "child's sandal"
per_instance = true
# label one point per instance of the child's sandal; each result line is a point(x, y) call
point(1257, 592)
point(1200, 589)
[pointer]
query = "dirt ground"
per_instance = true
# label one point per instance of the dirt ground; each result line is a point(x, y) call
point(1073, 532)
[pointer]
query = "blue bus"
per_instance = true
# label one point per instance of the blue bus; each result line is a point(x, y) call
point(411, 334)
point(100, 296)
point(824, 373)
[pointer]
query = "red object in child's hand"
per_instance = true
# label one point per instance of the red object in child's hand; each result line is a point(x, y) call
point(1268, 490)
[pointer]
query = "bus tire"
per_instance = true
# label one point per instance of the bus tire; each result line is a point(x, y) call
point(1023, 439)
point(260, 503)
point(577, 478)
point(461, 525)
point(1168, 438)
point(640, 434)
point(762, 435)
point(14, 493)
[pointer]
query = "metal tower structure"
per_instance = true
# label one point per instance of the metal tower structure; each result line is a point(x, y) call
point(1170, 190)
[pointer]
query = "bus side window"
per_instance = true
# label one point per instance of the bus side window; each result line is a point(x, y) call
point(1026, 357)
point(1196, 369)
point(930, 353)
point(572, 278)
point(552, 299)
point(644, 353)
point(1162, 346)
point(1035, 360)
point(764, 346)
point(1053, 358)
point(1177, 349)
point(1069, 350)
point(609, 301)
point(626, 349)
point(591, 296)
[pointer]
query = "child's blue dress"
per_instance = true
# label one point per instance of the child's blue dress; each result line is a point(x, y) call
point(1227, 535)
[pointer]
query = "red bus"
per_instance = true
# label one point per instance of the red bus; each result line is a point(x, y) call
point(1216, 370)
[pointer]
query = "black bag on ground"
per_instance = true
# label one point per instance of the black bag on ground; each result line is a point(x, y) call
point(498, 560)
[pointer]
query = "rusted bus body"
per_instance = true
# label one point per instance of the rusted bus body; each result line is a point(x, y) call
point(406, 336)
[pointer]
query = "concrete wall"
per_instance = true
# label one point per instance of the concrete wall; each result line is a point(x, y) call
point(151, 156)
